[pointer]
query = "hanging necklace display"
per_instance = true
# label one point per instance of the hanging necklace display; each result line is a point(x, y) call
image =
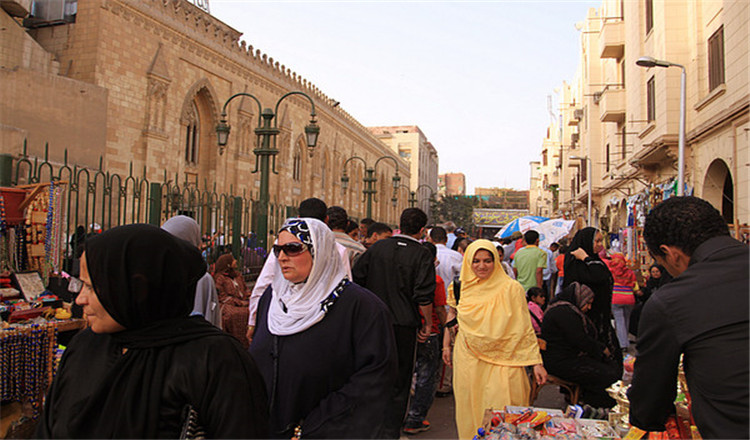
point(20, 249)
point(57, 221)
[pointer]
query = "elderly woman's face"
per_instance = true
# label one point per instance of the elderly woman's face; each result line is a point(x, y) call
point(295, 268)
point(483, 264)
point(97, 316)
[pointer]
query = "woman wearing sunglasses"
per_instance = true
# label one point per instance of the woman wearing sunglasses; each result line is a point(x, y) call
point(323, 344)
point(145, 365)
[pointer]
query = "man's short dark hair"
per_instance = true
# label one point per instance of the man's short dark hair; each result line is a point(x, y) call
point(378, 228)
point(367, 221)
point(438, 235)
point(683, 222)
point(337, 218)
point(530, 237)
point(350, 226)
point(462, 244)
point(314, 208)
point(431, 247)
point(555, 244)
point(412, 221)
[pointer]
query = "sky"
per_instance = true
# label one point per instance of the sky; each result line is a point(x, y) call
point(474, 76)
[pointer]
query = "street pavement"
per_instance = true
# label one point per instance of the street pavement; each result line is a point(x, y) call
point(442, 416)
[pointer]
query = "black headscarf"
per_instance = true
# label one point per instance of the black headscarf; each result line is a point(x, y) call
point(584, 239)
point(576, 296)
point(145, 278)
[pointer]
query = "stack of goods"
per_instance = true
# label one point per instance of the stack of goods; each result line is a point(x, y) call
point(679, 426)
point(517, 423)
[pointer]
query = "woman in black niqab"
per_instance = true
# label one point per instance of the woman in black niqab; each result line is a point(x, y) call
point(595, 274)
point(140, 382)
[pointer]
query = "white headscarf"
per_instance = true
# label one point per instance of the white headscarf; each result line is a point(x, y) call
point(303, 300)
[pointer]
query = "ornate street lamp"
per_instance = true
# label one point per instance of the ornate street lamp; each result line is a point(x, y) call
point(369, 179)
point(265, 149)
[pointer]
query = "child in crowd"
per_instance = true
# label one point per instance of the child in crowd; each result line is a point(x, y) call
point(536, 298)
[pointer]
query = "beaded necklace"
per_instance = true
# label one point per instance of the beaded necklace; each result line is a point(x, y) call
point(3, 223)
point(21, 250)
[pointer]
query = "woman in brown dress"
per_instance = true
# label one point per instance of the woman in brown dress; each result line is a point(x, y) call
point(233, 296)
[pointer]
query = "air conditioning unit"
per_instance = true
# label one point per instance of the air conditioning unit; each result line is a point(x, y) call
point(578, 114)
point(597, 97)
point(48, 10)
point(574, 138)
point(51, 12)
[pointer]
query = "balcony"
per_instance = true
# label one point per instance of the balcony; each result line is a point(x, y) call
point(612, 105)
point(612, 39)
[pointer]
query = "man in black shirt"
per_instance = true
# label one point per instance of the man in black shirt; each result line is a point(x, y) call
point(701, 314)
point(400, 271)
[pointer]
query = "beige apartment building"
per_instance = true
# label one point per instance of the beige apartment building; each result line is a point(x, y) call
point(141, 84)
point(451, 184)
point(412, 145)
point(622, 120)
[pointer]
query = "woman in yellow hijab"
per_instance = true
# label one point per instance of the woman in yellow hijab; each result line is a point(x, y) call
point(495, 340)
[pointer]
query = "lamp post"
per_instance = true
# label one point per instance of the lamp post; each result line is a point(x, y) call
point(370, 179)
point(589, 184)
point(412, 196)
point(653, 62)
point(265, 149)
point(424, 185)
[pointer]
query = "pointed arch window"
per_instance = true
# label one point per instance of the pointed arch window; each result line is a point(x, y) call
point(192, 135)
point(297, 166)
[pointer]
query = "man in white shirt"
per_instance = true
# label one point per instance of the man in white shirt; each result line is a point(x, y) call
point(449, 261)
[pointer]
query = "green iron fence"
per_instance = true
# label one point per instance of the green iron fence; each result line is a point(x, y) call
point(97, 197)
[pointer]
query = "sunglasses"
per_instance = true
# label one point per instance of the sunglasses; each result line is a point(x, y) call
point(75, 285)
point(290, 249)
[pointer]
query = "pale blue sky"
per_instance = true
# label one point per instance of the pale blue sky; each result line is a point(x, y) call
point(474, 76)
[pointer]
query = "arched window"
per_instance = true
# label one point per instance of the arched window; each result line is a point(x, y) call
point(192, 135)
point(297, 166)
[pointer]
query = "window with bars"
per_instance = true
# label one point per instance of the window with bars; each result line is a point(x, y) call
point(651, 100)
point(716, 59)
point(649, 15)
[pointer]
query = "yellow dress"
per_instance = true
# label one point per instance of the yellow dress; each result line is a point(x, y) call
point(495, 342)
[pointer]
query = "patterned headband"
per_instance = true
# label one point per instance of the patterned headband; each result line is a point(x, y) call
point(299, 229)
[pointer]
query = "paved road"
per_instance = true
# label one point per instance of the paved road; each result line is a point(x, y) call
point(443, 420)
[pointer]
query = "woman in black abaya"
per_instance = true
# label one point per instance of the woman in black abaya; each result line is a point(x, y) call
point(144, 362)
point(583, 265)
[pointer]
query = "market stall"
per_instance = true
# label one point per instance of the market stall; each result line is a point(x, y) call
point(32, 317)
point(529, 423)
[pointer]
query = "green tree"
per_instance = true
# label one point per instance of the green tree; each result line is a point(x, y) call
point(458, 209)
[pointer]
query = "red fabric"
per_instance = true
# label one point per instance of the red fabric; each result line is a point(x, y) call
point(560, 263)
point(234, 299)
point(438, 302)
point(620, 270)
point(519, 244)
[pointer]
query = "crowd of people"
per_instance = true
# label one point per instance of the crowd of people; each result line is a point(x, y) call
point(350, 327)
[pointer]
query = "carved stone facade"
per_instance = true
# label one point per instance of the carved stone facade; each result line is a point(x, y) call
point(153, 76)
